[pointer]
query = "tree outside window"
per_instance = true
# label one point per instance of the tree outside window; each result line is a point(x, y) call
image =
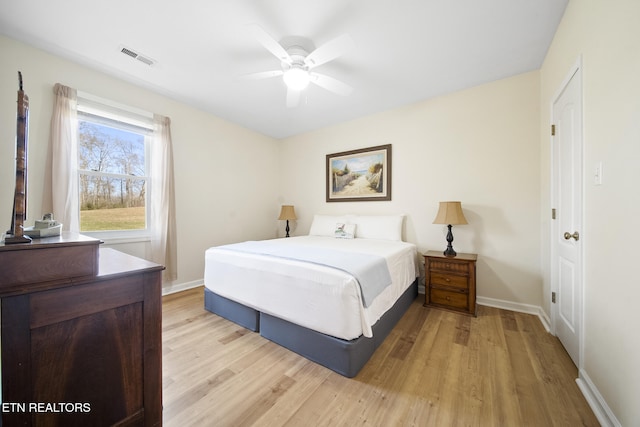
point(113, 176)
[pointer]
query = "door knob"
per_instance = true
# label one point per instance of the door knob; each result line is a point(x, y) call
point(568, 235)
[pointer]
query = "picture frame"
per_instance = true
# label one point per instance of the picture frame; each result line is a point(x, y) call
point(359, 175)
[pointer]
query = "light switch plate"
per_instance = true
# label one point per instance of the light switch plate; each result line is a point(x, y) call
point(597, 174)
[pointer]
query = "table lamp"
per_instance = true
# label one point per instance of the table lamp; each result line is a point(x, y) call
point(287, 213)
point(450, 213)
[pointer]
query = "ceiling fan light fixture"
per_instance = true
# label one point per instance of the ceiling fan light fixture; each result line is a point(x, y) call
point(296, 78)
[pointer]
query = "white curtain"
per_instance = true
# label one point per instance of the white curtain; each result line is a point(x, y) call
point(64, 168)
point(163, 206)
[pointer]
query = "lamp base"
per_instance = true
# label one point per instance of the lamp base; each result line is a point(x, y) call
point(449, 251)
point(287, 229)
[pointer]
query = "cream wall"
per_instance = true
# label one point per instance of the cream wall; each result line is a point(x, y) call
point(226, 176)
point(606, 35)
point(479, 146)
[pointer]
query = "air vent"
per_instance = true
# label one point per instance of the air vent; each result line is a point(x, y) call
point(136, 55)
point(129, 52)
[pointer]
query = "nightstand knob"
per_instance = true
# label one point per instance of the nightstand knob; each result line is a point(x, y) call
point(447, 279)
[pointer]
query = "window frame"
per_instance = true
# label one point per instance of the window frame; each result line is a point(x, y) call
point(93, 109)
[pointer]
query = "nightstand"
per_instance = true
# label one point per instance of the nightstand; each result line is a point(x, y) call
point(450, 281)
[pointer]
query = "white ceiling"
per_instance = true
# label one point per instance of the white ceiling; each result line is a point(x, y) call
point(406, 50)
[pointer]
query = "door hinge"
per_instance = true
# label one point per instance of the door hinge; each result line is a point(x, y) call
point(553, 297)
point(553, 130)
point(553, 213)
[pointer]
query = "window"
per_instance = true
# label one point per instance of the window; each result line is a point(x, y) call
point(102, 122)
point(113, 167)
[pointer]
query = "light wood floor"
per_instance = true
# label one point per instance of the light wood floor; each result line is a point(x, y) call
point(436, 368)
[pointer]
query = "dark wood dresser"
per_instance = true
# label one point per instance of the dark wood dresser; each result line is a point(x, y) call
point(81, 335)
point(451, 281)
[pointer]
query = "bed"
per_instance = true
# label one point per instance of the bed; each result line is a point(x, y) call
point(331, 296)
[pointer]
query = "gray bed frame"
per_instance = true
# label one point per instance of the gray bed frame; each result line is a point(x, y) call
point(342, 356)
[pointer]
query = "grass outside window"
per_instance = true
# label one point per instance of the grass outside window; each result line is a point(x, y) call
point(113, 219)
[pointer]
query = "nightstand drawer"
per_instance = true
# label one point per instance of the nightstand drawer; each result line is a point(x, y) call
point(449, 299)
point(449, 266)
point(442, 279)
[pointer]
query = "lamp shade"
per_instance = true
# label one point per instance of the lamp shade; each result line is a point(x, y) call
point(288, 213)
point(450, 213)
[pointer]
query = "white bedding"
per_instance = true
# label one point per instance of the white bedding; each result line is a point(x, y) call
point(311, 295)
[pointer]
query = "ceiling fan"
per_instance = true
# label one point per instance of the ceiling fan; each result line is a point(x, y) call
point(297, 64)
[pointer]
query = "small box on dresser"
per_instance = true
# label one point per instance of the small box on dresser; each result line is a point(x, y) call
point(450, 282)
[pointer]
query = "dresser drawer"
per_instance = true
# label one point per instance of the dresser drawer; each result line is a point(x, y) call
point(449, 299)
point(450, 266)
point(449, 280)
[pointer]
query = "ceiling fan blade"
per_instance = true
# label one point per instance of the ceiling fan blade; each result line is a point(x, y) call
point(329, 51)
point(331, 84)
point(270, 43)
point(262, 75)
point(293, 98)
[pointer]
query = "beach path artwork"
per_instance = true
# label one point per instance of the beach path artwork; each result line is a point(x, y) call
point(358, 175)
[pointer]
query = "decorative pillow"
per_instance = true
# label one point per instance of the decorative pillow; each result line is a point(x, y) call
point(385, 227)
point(345, 231)
point(325, 225)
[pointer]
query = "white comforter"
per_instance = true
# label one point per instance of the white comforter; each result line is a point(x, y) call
point(311, 295)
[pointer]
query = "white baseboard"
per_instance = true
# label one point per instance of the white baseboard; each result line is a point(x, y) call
point(598, 405)
point(178, 287)
point(519, 307)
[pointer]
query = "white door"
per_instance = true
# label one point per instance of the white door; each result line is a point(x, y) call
point(566, 239)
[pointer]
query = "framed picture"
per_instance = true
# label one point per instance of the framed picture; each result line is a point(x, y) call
point(359, 175)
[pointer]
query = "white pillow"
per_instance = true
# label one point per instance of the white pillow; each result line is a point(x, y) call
point(386, 227)
point(325, 225)
point(345, 231)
